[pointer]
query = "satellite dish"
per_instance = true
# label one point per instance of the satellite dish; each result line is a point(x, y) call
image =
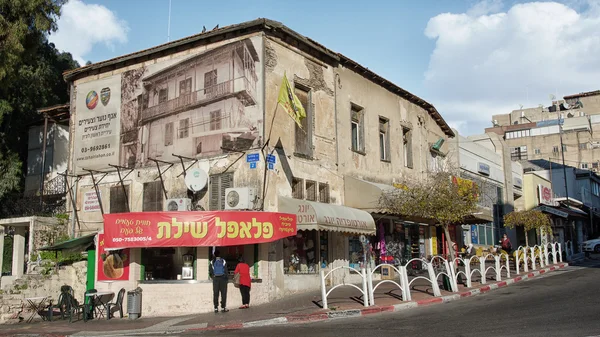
point(196, 179)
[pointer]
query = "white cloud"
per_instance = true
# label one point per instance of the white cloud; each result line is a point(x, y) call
point(81, 26)
point(487, 62)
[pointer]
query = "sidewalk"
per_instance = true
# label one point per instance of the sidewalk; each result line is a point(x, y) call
point(305, 307)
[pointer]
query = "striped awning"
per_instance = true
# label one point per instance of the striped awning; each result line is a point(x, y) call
point(313, 215)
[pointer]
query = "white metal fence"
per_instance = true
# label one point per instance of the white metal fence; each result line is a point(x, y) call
point(481, 267)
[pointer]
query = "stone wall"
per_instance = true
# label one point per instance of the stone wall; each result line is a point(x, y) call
point(11, 299)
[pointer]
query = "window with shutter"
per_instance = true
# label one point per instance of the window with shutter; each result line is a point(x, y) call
point(184, 127)
point(298, 188)
point(384, 139)
point(215, 120)
point(153, 197)
point(407, 147)
point(303, 136)
point(118, 199)
point(169, 134)
point(324, 193)
point(185, 87)
point(218, 184)
point(357, 129)
point(311, 190)
point(163, 95)
point(210, 82)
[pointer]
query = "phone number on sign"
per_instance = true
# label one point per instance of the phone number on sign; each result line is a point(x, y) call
point(95, 148)
point(142, 238)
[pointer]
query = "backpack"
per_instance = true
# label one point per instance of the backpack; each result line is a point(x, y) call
point(219, 267)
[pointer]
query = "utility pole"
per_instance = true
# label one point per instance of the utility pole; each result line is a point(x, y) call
point(562, 151)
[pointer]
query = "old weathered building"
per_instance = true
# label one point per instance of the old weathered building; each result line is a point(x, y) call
point(210, 101)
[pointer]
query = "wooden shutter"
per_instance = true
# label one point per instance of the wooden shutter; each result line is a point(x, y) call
point(169, 134)
point(218, 184)
point(297, 188)
point(303, 137)
point(184, 127)
point(311, 190)
point(361, 131)
point(118, 199)
point(153, 197)
point(324, 193)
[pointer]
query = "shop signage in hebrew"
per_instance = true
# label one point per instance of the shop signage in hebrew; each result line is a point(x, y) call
point(193, 229)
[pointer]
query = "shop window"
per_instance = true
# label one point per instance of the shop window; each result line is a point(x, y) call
point(184, 128)
point(324, 193)
point(218, 184)
point(298, 188)
point(118, 199)
point(169, 263)
point(311, 190)
point(169, 134)
point(357, 128)
point(355, 252)
point(231, 254)
point(303, 136)
point(301, 252)
point(153, 197)
point(407, 147)
point(384, 139)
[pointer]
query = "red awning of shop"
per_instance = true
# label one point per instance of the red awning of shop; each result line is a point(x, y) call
point(194, 229)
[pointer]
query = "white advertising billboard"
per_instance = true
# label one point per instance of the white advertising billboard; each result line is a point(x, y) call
point(97, 124)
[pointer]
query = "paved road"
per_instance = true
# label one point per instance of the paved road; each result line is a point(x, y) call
point(562, 303)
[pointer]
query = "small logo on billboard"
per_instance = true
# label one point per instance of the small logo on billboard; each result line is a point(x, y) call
point(91, 100)
point(105, 96)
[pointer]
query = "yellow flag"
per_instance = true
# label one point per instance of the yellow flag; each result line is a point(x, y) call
point(290, 102)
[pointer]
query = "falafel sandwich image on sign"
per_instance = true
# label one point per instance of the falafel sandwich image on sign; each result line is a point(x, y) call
point(113, 265)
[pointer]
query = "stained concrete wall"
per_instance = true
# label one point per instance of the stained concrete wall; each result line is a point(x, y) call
point(332, 88)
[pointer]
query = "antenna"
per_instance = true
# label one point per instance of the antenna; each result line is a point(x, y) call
point(552, 97)
point(169, 27)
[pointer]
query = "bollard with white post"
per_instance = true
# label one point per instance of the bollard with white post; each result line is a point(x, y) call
point(363, 271)
point(498, 270)
point(323, 290)
point(532, 258)
point(482, 270)
point(434, 285)
point(370, 286)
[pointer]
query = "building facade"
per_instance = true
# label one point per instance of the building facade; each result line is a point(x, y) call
point(210, 102)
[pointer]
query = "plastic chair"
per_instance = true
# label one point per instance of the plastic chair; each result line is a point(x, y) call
point(118, 305)
point(61, 304)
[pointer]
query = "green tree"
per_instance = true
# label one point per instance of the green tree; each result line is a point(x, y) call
point(30, 78)
point(531, 219)
point(440, 197)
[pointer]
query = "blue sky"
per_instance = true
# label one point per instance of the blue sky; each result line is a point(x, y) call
point(469, 58)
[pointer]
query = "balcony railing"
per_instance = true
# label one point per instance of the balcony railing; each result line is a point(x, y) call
point(240, 87)
point(56, 185)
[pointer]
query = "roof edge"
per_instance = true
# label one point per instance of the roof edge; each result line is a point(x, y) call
point(274, 28)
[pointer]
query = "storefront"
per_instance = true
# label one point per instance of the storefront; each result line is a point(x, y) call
point(167, 254)
point(328, 237)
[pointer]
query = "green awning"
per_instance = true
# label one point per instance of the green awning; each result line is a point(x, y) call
point(78, 244)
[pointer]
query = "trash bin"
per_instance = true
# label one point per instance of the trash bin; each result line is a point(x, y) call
point(134, 303)
point(446, 283)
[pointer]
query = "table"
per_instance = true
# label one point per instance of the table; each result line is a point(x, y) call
point(36, 305)
point(100, 301)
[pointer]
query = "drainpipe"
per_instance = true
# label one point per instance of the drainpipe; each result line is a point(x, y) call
point(72, 157)
point(335, 112)
point(42, 173)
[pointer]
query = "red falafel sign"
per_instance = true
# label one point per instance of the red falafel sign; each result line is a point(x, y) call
point(112, 265)
point(193, 229)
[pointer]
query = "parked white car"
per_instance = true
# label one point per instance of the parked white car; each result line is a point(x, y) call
point(592, 245)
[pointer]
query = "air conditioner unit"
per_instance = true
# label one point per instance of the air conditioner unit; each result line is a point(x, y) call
point(240, 198)
point(180, 204)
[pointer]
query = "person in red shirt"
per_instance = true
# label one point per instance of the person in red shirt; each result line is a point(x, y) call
point(243, 269)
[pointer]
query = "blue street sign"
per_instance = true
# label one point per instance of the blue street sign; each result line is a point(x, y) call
point(252, 157)
point(271, 166)
point(271, 159)
point(253, 165)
